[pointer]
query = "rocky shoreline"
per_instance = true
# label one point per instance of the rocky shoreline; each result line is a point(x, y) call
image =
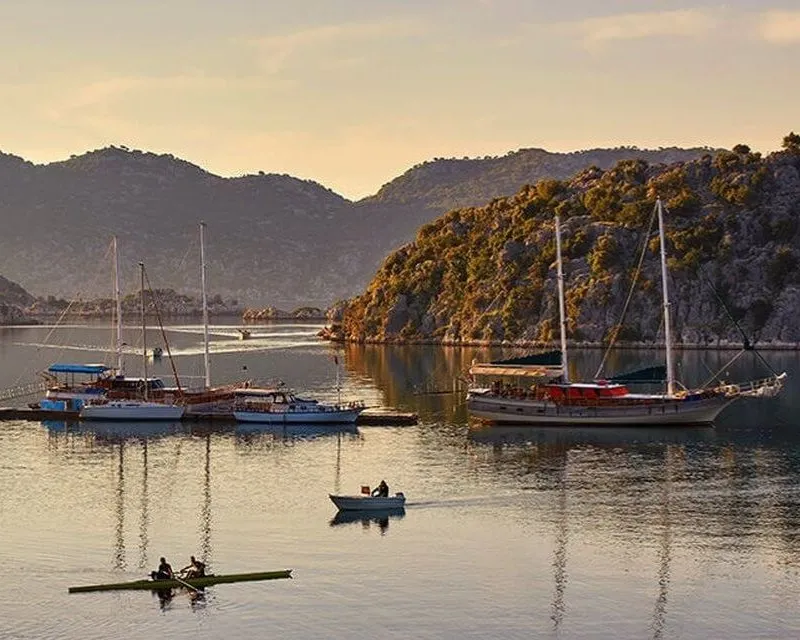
point(332, 334)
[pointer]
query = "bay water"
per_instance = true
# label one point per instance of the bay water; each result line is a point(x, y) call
point(508, 532)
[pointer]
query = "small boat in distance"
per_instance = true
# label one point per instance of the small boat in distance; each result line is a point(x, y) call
point(204, 581)
point(281, 406)
point(368, 503)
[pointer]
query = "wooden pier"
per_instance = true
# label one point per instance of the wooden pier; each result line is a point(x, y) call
point(382, 417)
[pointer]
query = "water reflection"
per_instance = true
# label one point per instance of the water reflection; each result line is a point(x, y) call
point(122, 438)
point(119, 530)
point(205, 510)
point(705, 491)
point(144, 518)
point(560, 553)
point(117, 431)
point(576, 436)
point(665, 546)
point(380, 517)
point(247, 432)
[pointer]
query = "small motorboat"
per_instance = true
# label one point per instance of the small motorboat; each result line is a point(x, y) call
point(368, 503)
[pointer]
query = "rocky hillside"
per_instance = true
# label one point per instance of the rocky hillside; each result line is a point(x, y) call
point(272, 239)
point(487, 273)
point(14, 301)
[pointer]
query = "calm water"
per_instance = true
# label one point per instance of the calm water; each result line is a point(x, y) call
point(508, 532)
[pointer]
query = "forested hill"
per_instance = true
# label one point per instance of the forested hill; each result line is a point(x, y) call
point(452, 183)
point(272, 239)
point(487, 273)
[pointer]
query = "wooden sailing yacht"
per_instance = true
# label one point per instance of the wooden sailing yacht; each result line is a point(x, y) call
point(553, 399)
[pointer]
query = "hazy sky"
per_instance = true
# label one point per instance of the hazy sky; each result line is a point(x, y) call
point(351, 93)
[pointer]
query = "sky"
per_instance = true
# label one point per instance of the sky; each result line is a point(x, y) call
point(352, 93)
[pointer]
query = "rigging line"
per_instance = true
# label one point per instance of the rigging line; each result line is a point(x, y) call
point(154, 297)
point(728, 364)
point(618, 327)
point(26, 372)
point(747, 345)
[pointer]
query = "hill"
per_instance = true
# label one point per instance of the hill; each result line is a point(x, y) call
point(485, 274)
point(272, 239)
point(13, 302)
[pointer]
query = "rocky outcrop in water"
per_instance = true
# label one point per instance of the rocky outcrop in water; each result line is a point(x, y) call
point(487, 274)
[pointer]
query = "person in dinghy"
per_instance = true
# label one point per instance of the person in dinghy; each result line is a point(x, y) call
point(381, 491)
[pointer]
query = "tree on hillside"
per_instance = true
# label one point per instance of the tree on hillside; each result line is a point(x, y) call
point(792, 142)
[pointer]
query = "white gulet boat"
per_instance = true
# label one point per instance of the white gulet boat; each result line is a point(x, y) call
point(553, 399)
point(283, 407)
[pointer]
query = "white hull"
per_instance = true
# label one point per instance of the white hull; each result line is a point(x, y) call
point(368, 503)
point(669, 412)
point(131, 410)
point(330, 416)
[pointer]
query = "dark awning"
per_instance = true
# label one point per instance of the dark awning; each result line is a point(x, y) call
point(656, 373)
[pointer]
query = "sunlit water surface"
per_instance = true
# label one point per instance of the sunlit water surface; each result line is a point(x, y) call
point(507, 533)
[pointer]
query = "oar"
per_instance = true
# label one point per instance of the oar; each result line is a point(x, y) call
point(185, 584)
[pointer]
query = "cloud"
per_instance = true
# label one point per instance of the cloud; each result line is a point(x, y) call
point(780, 27)
point(275, 51)
point(104, 98)
point(687, 23)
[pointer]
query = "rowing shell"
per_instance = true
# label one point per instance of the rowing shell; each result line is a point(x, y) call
point(205, 581)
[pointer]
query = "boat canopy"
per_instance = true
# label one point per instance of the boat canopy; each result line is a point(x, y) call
point(656, 373)
point(540, 365)
point(95, 369)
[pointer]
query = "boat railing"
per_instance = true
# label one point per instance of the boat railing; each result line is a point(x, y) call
point(23, 390)
point(762, 388)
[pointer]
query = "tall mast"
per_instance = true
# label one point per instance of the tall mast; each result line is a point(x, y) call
point(144, 333)
point(562, 314)
point(118, 309)
point(665, 291)
point(206, 360)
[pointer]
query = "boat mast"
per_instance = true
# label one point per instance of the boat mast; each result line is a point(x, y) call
point(561, 306)
point(144, 332)
point(118, 309)
point(206, 360)
point(665, 291)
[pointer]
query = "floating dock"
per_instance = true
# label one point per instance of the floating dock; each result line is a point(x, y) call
point(378, 417)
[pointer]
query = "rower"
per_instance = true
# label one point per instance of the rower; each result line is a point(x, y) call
point(164, 571)
point(195, 569)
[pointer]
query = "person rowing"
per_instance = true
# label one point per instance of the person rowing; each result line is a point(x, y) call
point(164, 571)
point(195, 569)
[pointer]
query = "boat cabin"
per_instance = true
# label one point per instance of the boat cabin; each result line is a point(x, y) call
point(583, 393)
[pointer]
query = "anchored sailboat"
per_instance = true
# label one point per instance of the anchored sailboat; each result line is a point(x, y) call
point(553, 399)
point(134, 408)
